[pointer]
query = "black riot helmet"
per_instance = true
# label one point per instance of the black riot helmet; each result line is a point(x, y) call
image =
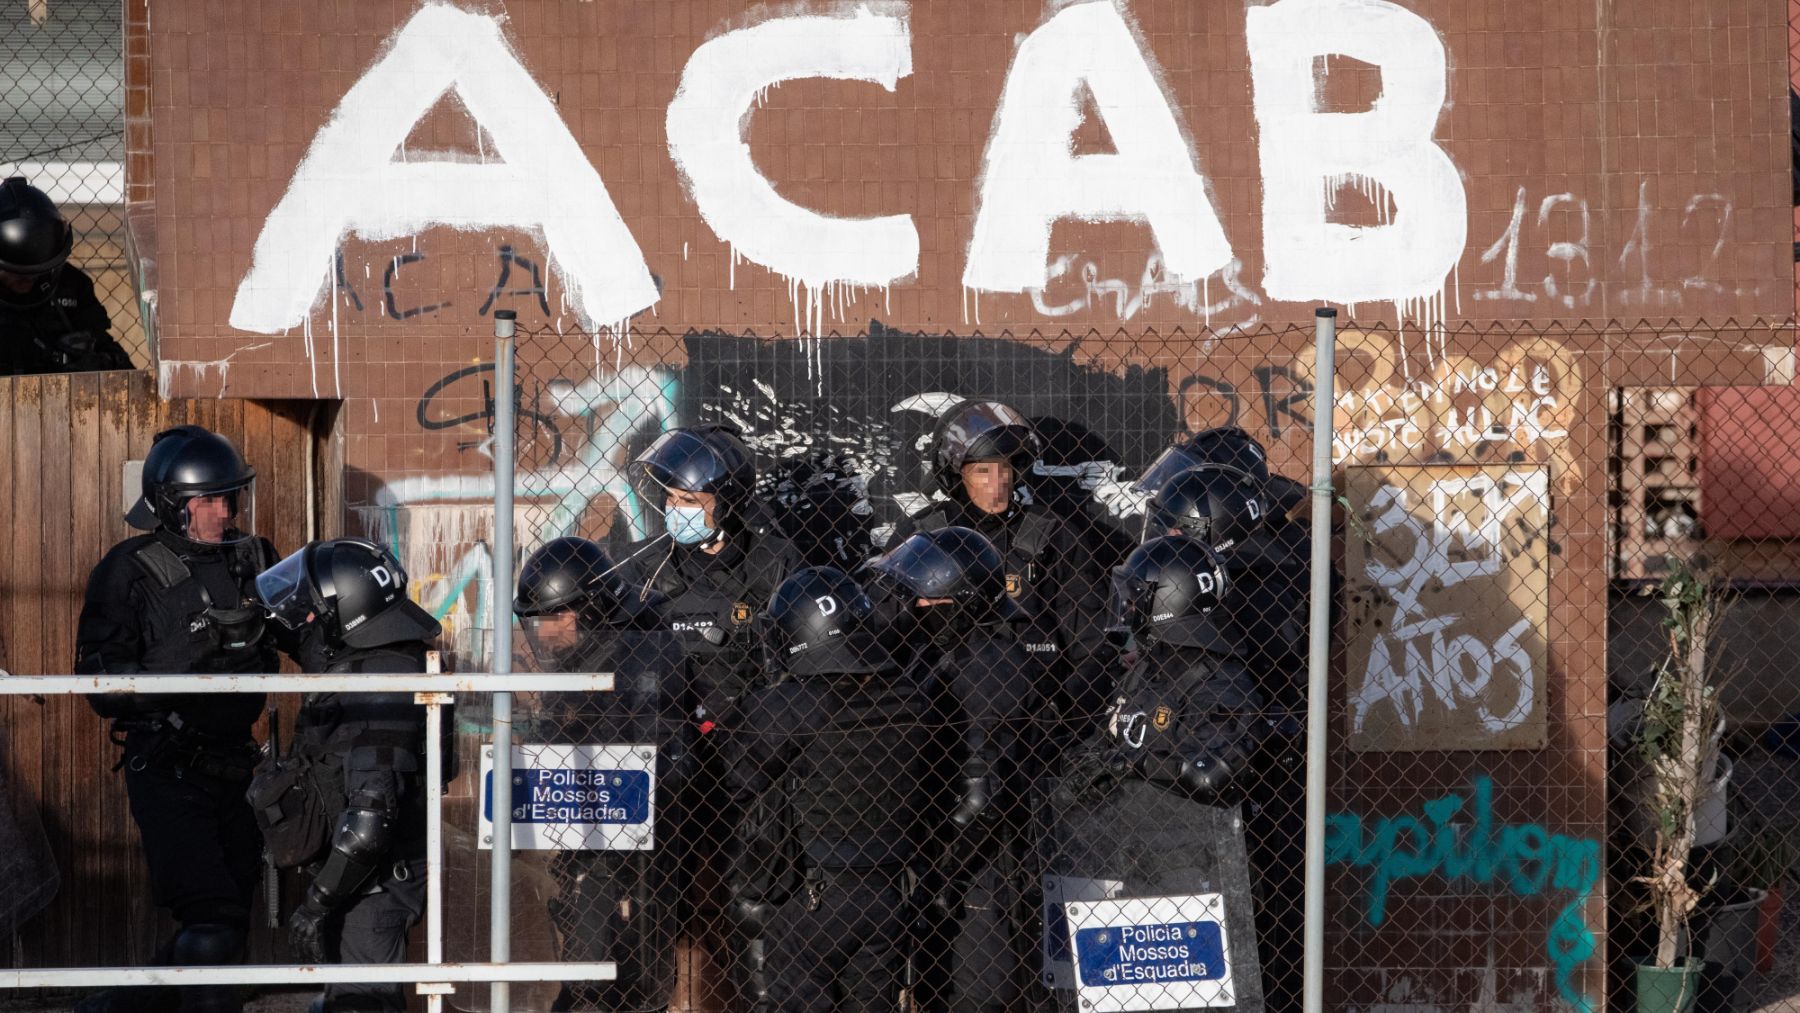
point(35, 240)
point(982, 431)
point(352, 589)
point(956, 563)
point(820, 622)
point(1214, 503)
point(574, 578)
point(186, 462)
point(1227, 445)
point(1166, 590)
point(705, 459)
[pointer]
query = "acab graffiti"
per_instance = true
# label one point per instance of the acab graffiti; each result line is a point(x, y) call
point(574, 440)
point(1459, 844)
point(538, 179)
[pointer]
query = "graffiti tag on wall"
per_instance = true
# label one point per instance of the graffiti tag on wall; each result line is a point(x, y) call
point(1458, 844)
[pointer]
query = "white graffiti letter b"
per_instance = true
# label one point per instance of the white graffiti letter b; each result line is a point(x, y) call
point(1306, 153)
point(350, 182)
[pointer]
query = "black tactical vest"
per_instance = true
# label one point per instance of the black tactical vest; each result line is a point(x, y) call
point(860, 781)
point(713, 611)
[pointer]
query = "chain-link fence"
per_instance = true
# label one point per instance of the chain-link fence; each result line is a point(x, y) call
point(921, 799)
point(62, 127)
point(1001, 767)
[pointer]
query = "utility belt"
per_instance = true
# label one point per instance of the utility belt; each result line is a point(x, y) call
point(165, 743)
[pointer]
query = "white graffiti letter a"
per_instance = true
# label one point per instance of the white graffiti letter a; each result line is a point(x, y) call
point(349, 181)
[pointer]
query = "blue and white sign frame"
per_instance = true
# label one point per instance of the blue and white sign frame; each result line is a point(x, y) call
point(576, 798)
point(1151, 953)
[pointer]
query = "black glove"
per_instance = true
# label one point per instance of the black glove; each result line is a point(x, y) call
point(1093, 772)
point(972, 803)
point(751, 917)
point(306, 931)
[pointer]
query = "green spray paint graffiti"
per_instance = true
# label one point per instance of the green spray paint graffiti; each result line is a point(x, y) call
point(1461, 844)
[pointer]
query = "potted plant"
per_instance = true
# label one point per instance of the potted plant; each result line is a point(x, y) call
point(1677, 745)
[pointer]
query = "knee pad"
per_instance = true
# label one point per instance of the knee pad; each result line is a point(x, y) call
point(208, 943)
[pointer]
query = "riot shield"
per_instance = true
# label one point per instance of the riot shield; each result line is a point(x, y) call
point(1155, 889)
point(28, 873)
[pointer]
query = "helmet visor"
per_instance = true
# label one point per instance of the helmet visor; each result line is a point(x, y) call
point(219, 517)
point(920, 568)
point(551, 637)
point(1171, 462)
point(283, 590)
point(988, 431)
point(1123, 604)
point(682, 460)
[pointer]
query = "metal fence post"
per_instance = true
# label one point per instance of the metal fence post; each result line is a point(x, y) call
point(434, 825)
point(1319, 653)
point(500, 910)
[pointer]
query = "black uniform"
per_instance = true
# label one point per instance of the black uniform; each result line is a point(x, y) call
point(158, 603)
point(1053, 573)
point(971, 960)
point(378, 741)
point(625, 906)
point(841, 763)
point(60, 326)
point(713, 599)
point(1268, 605)
point(1143, 814)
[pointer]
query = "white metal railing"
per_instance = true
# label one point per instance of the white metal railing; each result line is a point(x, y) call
point(433, 979)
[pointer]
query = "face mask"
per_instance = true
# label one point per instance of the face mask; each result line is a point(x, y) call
point(687, 525)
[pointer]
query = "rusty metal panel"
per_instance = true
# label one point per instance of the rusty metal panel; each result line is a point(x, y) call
point(1448, 571)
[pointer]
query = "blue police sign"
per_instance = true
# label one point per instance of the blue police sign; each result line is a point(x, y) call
point(1160, 953)
point(1150, 953)
point(568, 797)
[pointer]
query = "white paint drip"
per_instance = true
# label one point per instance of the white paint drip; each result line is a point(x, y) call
point(823, 258)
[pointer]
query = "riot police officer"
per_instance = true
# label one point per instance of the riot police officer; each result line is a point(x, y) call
point(344, 602)
point(953, 583)
point(50, 319)
point(1266, 558)
point(981, 454)
point(718, 561)
point(623, 906)
point(1150, 804)
point(180, 600)
point(832, 763)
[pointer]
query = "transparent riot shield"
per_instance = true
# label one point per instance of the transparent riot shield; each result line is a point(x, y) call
point(1157, 889)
